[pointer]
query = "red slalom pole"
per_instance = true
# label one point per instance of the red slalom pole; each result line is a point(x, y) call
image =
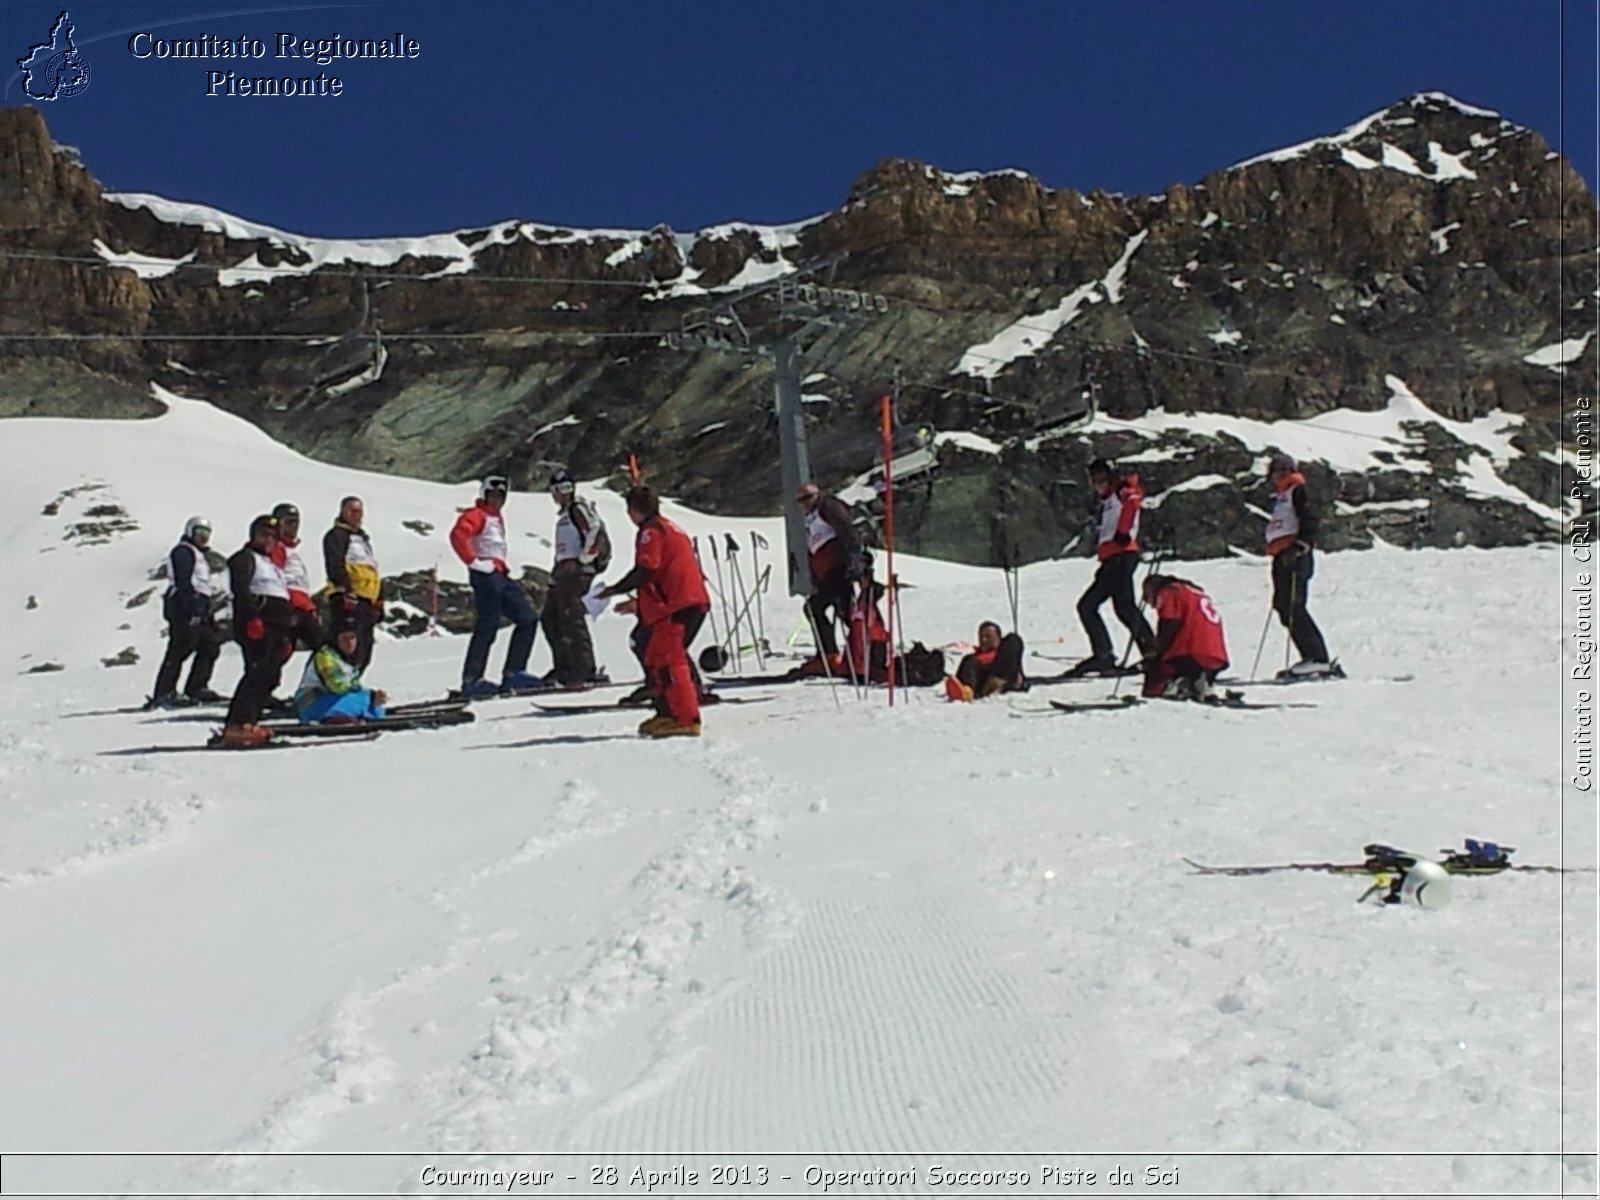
point(887, 419)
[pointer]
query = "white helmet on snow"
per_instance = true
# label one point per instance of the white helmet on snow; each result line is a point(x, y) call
point(196, 525)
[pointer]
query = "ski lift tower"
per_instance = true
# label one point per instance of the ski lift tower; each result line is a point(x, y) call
point(802, 309)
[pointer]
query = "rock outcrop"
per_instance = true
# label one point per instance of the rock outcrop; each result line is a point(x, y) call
point(1406, 305)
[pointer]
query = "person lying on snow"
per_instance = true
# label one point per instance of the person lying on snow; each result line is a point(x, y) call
point(994, 667)
point(1190, 650)
point(331, 691)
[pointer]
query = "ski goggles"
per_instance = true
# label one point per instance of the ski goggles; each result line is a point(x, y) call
point(565, 488)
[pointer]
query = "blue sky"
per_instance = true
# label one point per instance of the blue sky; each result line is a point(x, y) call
point(692, 112)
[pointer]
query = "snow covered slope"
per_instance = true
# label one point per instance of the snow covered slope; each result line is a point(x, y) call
point(825, 927)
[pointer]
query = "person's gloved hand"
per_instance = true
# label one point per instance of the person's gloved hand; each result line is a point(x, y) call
point(1122, 538)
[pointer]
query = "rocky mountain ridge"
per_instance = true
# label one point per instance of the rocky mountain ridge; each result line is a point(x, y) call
point(1405, 305)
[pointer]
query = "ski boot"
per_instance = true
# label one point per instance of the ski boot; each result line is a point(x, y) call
point(524, 681)
point(478, 689)
point(241, 737)
point(1306, 670)
point(671, 727)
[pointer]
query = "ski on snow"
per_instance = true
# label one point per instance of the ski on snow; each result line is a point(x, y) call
point(1477, 858)
point(1230, 701)
point(561, 710)
point(1297, 681)
point(358, 735)
point(385, 724)
point(456, 696)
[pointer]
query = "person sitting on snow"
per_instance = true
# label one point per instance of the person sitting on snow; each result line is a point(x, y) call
point(331, 689)
point(994, 667)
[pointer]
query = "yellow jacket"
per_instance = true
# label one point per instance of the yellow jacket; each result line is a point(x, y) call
point(351, 565)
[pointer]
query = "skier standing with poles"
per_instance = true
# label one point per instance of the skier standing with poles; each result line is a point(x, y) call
point(1118, 550)
point(835, 560)
point(1291, 539)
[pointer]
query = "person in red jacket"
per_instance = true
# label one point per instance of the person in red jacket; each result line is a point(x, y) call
point(1118, 550)
point(673, 603)
point(479, 540)
point(307, 629)
point(1190, 650)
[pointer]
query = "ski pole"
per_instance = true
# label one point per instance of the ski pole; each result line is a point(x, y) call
point(826, 669)
point(722, 597)
point(736, 576)
point(744, 612)
point(1294, 600)
point(757, 544)
point(711, 612)
point(1262, 644)
point(1150, 569)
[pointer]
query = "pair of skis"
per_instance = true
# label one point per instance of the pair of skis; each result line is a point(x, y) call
point(1475, 858)
point(285, 734)
point(457, 696)
point(568, 710)
point(1226, 700)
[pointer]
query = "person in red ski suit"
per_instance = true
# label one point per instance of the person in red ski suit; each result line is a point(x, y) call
point(673, 603)
point(1190, 650)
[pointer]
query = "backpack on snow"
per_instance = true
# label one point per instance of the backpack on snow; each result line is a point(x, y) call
point(920, 666)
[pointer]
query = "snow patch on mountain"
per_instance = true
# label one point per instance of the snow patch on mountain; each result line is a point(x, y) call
point(1030, 334)
point(1558, 354)
point(1446, 165)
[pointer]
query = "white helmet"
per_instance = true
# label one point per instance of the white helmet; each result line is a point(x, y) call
point(1427, 885)
point(196, 525)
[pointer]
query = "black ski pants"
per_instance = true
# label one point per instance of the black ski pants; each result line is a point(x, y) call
point(1006, 668)
point(1114, 582)
point(566, 623)
point(263, 667)
point(185, 636)
point(1291, 585)
point(829, 602)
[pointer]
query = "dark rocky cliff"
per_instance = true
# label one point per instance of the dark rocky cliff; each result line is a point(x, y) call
point(1382, 302)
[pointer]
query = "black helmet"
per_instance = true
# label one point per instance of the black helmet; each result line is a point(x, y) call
point(286, 512)
point(493, 483)
point(1101, 466)
point(264, 523)
point(562, 482)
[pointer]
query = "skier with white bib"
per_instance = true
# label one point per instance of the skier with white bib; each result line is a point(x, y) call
point(479, 540)
point(582, 551)
point(191, 629)
point(307, 629)
point(1118, 550)
point(834, 556)
point(1291, 541)
point(263, 623)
